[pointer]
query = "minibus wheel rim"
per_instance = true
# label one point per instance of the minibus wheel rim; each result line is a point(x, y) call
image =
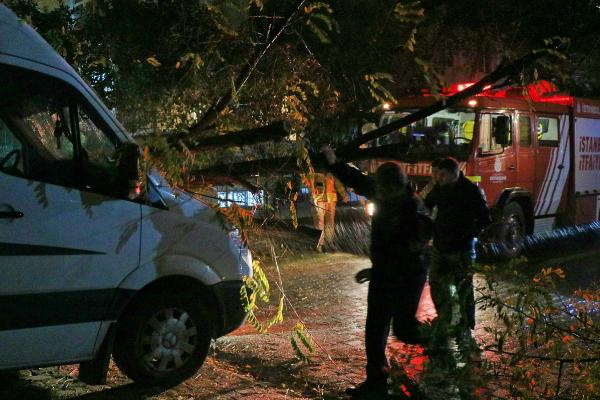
point(169, 339)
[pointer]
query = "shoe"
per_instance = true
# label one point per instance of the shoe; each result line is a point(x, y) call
point(368, 391)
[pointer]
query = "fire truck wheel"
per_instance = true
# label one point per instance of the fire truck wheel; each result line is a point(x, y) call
point(513, 226)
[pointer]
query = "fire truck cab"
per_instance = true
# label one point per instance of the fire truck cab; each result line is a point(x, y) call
point(535, 152)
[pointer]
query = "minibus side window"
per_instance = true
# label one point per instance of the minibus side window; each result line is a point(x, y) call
point(49, 122)
point(62, 139)
point(99, 149)
point(43, 121)
point(11, 152)
point(99, 156)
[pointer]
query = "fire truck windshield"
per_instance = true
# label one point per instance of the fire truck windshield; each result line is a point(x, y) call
point(447, 132)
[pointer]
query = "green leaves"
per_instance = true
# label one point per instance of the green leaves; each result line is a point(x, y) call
point(377, 87)
point(435, 81)
point(153, 61)
point(409, 12)
point(257, 288)
point(320, 20)
point(225, 24)
point(294, 102)
point(536, 330)
point(194, 59)
point(302, 343)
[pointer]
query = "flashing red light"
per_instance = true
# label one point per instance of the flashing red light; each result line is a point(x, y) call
point(462, 86)
point(541, 91)
point(547, 92)
point(459, 87)
point(557, 99)
point(540, 88)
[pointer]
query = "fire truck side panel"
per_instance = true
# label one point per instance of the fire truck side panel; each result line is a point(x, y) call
point(586, 167)
point(551, 163)
point(587, 208)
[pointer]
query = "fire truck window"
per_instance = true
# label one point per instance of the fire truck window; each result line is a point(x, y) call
point(524, 131)
point(394, 136)
point(547, 131)
point(487, 142)
point(467, 129)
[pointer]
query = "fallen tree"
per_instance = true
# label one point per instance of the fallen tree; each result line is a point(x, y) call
point(504, 75)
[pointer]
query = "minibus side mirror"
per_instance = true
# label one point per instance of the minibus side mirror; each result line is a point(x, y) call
point(501, 130)
point(129, 171)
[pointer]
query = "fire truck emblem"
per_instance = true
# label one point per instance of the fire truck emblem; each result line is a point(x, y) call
point(498, 165)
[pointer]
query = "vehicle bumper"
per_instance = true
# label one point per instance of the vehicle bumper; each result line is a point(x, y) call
point(231, 306)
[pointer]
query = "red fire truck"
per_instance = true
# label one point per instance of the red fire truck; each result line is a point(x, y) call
point(535, 152)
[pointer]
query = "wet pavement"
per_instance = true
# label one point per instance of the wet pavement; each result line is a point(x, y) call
point(320, 293)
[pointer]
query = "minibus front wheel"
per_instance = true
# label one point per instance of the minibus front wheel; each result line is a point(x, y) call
point(163, 338)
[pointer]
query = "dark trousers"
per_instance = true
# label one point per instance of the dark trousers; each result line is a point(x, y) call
point(391, 303)
point(445, 270)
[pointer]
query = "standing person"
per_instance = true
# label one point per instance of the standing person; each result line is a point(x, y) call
point(398, 272)
point(325, 201)
point(462, 214)
point(431, 188)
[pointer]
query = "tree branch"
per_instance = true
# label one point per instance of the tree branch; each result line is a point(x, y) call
point(245, 168)
point(399, 151)
point(275, 131)
point(209, 118)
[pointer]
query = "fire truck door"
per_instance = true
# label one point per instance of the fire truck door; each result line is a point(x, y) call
point(526, 154)
point(551, 162)
point(496, 163)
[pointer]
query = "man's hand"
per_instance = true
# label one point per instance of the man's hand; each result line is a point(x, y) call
point(363, 275)
point(328, 153)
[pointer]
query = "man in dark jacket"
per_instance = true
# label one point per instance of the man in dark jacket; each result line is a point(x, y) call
point(462, 214)
point(398, 272)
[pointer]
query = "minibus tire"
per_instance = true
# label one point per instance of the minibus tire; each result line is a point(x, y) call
point(163, 324)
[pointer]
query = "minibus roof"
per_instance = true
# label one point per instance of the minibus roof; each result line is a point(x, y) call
point(18, 39)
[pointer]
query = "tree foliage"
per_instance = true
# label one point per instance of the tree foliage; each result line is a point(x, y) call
point(161, 65)
point(543, 344)
point(484, 33)
point(321, 66)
